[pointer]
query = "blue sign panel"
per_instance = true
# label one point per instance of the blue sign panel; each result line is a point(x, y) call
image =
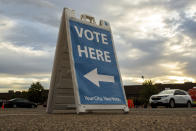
point(95, 65)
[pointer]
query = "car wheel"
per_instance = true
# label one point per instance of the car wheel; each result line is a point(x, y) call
point(172, 103)
point(32, 106)
point(14, 106)
point(189, 104)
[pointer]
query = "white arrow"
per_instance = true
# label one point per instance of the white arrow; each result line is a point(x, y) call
point(94, 77)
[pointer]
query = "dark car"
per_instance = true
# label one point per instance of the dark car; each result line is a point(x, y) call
point(1, 102)
point(20, 102)
point(45, 104)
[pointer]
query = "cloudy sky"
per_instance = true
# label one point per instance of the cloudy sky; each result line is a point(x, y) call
point(153, 38)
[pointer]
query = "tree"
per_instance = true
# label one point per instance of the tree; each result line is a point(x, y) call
point(147, 91)
point(35, 93)
point(24, 94)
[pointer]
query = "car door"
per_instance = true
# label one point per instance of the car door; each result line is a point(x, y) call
point(27, 103)
point(22, 103)
point(184, 97)
point(19, 102)
point(178, 97)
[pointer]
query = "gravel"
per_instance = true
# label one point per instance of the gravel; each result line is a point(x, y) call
point(138, 119)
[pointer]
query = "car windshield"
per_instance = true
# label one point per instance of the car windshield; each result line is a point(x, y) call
point(167, 92)
point(17, 99)
point(13, 99)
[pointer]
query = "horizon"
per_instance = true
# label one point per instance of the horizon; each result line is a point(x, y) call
point(123, 86)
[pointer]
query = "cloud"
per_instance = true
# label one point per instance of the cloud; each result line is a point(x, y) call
point(153, 38)
point(24, 60)
point(188, 27)
point(22, 82)
point(43, 11)
point(156, 31)
point(21, 32)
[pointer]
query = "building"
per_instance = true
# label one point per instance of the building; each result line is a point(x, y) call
point(133, 91)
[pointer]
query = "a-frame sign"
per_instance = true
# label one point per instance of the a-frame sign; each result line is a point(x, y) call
point(85, 74)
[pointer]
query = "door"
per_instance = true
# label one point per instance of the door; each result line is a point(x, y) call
point(178, 97)
point(184, 97)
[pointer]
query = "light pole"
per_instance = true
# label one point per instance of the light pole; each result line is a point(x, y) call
point(143, 78)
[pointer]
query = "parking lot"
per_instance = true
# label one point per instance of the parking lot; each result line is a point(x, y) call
point(137, 119)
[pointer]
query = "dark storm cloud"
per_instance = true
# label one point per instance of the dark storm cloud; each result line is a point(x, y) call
point(35, 25)
point(47, 11)
point(178, 5)
point(184, 24)
point(170, 5)
point(27, 33)
point(188, 27)
point(27, 67)
point(153, 54)
point(20, 63)
point(151, 49)
point(32, 10)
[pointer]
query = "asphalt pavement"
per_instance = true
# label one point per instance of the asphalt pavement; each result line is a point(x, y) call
point(138, 119)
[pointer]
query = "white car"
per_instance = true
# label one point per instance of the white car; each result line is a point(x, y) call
point(171, 98)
